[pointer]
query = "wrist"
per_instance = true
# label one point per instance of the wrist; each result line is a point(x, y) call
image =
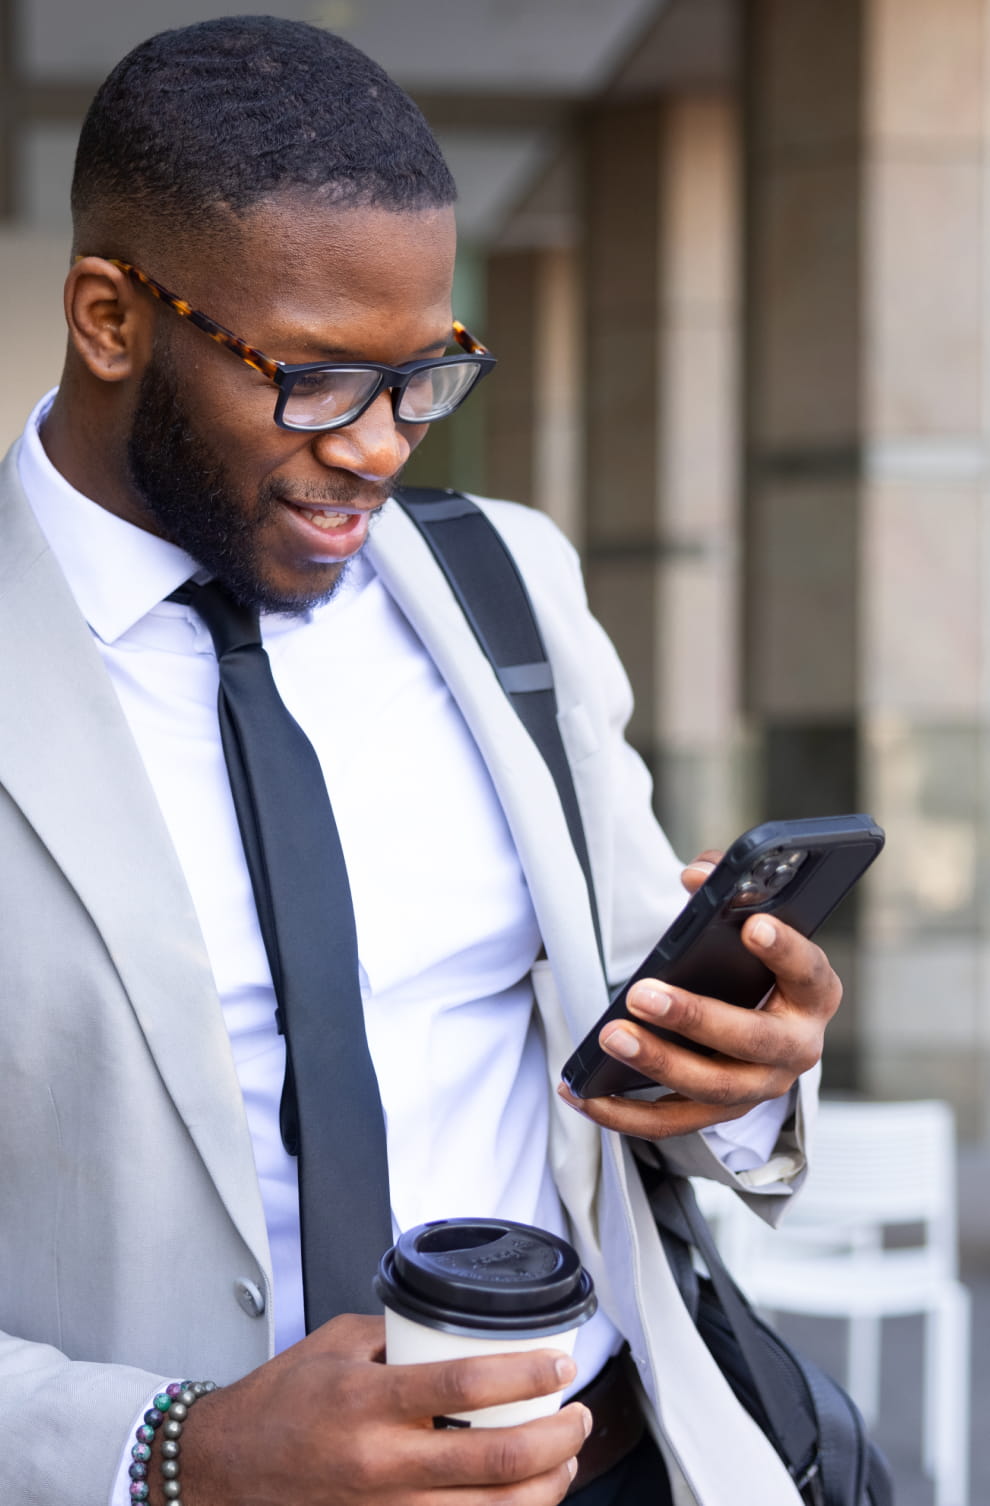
point(156, 1468)
point(202, 1469)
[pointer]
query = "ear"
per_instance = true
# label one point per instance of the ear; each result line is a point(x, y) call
point(110, 323)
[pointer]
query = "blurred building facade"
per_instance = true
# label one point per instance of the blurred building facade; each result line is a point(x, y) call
point(734, 256)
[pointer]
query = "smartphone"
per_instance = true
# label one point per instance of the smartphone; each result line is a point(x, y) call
point(797, 871)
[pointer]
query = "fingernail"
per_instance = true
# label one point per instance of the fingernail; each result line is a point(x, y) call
point(564, 1092)
point(652, 1001)
point(621, 1043)
point(763, 933)
point(702, 866)
point(572, 1468)
point(588, 1420)
point(565, 1368)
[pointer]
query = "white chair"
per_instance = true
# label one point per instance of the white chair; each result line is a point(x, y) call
point(875, 1166)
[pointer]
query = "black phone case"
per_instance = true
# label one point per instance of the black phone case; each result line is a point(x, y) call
point(702, 949)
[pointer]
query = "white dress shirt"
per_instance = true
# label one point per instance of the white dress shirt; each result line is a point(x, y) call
point(446, 930)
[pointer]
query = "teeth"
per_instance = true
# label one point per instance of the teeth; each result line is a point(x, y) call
point(326, 520)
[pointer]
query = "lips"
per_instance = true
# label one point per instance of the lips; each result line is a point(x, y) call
point(329, 533)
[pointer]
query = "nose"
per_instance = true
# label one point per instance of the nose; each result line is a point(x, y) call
point(372, 447)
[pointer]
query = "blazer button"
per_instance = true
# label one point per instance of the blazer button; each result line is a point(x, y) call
point(250, 1297)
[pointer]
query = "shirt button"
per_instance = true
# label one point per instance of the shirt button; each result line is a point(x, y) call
point(249, 1297)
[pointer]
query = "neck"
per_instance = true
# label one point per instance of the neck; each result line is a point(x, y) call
point(85, 440)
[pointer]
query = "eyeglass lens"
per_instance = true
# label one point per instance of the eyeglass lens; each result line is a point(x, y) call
point(318, 399)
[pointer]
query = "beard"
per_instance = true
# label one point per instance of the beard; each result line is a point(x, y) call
point(187, 488)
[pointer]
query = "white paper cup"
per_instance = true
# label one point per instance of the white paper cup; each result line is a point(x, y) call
point(460, 1287)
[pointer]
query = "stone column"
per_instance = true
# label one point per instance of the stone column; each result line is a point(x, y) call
point(622, 249)
point(867, 426)
point(703, 762)
point(533, 430)
point(662, 496)
point(8, 123)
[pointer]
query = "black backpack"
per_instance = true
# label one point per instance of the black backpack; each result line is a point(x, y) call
point(811, 1421)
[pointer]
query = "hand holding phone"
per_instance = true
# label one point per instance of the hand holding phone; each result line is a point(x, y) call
point(797, 871)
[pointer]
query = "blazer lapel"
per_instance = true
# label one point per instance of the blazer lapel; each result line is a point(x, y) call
point(521, 778)
point(577, 995)
point(68, 760)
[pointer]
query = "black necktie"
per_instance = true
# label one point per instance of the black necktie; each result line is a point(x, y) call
point(331, 1113)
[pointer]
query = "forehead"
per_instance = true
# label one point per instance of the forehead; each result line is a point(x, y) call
point(361, 275)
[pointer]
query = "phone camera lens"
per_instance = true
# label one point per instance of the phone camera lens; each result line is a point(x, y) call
point(785, 866)
point(747, 894)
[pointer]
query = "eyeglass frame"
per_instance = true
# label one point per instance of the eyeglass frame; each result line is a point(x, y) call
point(393, 379)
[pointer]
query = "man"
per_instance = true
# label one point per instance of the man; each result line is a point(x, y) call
point(271, 176)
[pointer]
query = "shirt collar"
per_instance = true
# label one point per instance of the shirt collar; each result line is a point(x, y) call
point(116, 571)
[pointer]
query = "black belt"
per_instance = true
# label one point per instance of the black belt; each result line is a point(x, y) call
point(617, 1420)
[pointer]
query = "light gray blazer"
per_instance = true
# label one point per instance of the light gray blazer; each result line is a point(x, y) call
point(129, 1205)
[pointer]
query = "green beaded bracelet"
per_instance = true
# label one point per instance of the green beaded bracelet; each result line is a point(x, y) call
point(168, 1411)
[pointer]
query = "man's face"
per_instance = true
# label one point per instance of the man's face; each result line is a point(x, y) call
point(276, 515)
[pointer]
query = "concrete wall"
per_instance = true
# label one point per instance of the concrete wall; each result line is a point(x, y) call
point(32, 270)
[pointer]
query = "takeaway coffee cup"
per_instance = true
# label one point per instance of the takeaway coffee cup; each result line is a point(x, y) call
point(466, 1286)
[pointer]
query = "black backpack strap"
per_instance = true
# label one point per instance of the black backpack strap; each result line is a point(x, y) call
point(489, 589)
point(789, 1424)
point(812, 1422)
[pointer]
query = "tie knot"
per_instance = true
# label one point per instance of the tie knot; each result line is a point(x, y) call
point(231, 625)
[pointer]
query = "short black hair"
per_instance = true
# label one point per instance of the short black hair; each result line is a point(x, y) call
point(205, 121)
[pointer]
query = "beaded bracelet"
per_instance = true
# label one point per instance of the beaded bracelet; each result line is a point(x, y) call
point(168, 1412)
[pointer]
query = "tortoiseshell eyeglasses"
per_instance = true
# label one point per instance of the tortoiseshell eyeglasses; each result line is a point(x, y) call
point(330, 394)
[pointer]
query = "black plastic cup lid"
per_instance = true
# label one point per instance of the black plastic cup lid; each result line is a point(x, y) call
point(466, 1274)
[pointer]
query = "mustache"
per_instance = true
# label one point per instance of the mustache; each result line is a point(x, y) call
point(348, 491)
